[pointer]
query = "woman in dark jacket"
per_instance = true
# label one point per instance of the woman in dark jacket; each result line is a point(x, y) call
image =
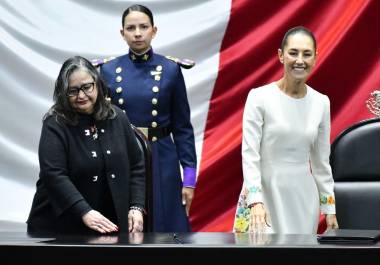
point(91, 168)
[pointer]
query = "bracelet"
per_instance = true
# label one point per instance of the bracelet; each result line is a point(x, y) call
point(138, 209)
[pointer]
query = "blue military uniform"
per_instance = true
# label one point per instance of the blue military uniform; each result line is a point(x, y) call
point(151, 90)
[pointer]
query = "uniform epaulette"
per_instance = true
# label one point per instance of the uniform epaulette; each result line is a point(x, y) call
point(185, 63)
point(99, 62)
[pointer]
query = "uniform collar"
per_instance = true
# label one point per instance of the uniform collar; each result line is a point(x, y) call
point(144, 57)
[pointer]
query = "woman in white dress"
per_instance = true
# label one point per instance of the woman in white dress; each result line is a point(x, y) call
point(286, 148)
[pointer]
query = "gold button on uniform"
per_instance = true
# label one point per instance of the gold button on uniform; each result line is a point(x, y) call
point(119, 78)
point(154, 124)
point(154, 101)
point(154, 138)
point(157, 77)
point(159, 68)
point(119, 89)
point(121, 101)
point(118, 70)
point(154, 112)
point(155, 89)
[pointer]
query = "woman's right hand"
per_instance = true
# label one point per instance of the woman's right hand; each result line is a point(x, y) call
point(96, 221)
point(258, 218)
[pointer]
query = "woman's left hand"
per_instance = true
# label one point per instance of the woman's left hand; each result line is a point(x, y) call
point(135, 221)
point(331, 221)
point(187, 198)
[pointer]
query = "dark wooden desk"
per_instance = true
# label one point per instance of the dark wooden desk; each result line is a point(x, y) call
point(16, 247)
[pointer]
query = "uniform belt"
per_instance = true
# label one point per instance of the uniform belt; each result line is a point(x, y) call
point(154, 134)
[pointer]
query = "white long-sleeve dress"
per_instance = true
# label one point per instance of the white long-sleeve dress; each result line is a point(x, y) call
point(285, 150)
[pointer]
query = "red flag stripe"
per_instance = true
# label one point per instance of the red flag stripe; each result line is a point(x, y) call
point(348, 68)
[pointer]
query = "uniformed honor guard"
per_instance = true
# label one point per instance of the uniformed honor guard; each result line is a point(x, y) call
point(150, 88)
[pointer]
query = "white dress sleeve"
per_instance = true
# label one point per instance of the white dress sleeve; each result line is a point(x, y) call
point(253, 120)
point(320, 165)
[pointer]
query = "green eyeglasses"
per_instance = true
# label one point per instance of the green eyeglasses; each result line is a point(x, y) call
point(86, 88)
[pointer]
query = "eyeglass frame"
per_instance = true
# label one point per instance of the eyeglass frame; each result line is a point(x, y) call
point(78, 89)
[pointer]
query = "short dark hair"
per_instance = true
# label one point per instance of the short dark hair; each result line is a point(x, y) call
point(62, 107)
point(298, 29)
point(139, 8)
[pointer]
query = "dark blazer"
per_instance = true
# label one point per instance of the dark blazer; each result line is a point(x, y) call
point(83, 168)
